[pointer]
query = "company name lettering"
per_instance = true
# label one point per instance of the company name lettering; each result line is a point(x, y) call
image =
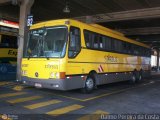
point(51, 66)
point(12, 52)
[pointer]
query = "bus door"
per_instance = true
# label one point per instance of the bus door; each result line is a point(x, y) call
point(74, 48)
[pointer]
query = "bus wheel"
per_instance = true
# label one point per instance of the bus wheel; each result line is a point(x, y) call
point(139, 76)
point(89, 85)
point(133, 78)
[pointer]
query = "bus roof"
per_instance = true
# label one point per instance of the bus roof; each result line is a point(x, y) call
point(107, 29)
point(113, 33)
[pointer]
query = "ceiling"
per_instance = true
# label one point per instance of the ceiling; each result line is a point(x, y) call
point(136, 18)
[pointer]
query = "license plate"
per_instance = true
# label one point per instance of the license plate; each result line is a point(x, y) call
point(38, 85)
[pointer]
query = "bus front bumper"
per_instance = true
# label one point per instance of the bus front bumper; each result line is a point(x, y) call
point(57, 84)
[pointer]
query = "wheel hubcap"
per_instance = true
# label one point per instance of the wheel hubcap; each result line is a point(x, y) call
point(89, 83)
point(133, 78)
point(140, 77)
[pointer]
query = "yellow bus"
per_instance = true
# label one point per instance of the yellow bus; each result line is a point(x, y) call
point(8, 51)
point(67, 54)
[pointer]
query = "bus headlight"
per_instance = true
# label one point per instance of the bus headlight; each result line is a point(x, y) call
point(51, 75)
point(57, 75)
point(54, 75)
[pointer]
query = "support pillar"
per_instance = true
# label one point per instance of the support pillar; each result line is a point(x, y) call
point(157, 59)
point(24, 11)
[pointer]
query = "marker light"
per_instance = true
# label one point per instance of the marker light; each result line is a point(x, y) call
point(56, 75)
point(67, 22)
point(51, 75)
point(68, 77)
point(60, 75)
point(55, 86)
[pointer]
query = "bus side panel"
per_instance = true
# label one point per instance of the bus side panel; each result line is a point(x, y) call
point(89, 60)
point(113, 77)
point(117, 65)
point(8, 63)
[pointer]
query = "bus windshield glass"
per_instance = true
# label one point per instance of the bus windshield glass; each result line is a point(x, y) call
point(47, 42)
point(8, 41)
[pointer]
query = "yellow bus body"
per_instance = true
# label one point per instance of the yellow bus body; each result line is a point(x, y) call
point(70, 73)
point(8, 55)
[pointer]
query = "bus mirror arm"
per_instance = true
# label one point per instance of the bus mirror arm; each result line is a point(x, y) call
point(28, 57)
point(29, 53)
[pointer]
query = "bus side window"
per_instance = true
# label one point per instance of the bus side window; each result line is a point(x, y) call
point(8, 41)
point(95, 41)
point(108, 43)
point(86, 35)
point(101, 42)
point(88, 38)
point(74, 42)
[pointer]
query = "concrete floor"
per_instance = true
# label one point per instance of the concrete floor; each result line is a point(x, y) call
point(20, 102)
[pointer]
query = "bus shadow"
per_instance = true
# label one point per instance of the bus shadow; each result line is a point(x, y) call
point(101, 91)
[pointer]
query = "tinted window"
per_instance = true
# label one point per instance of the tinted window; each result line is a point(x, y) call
point(8, 41)
point(47, 42)
point(95, 41)
point(118, 45)
point(74, 42)
point(98, 41)
point(102, 42)
point(108, 43)
point(88, 38)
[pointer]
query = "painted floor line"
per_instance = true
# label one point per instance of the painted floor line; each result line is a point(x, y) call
point(4, 83)
point(100, 96)
point(64, 110)
point(91, 98)
point(42, 104)
point(12, 94)
point(9, 85)
point(107, 94)
point(18, 88)
point(73, 98)
point(19, 100)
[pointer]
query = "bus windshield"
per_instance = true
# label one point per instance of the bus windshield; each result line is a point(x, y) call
point(8, 41)
point(47, 42)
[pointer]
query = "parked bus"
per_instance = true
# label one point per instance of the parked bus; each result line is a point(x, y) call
point(8, 52)
point(8, 49)
point(68, 54)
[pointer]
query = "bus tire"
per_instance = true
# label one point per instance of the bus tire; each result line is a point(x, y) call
point(89, 85)
point(140, 77)
point(133, 78)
